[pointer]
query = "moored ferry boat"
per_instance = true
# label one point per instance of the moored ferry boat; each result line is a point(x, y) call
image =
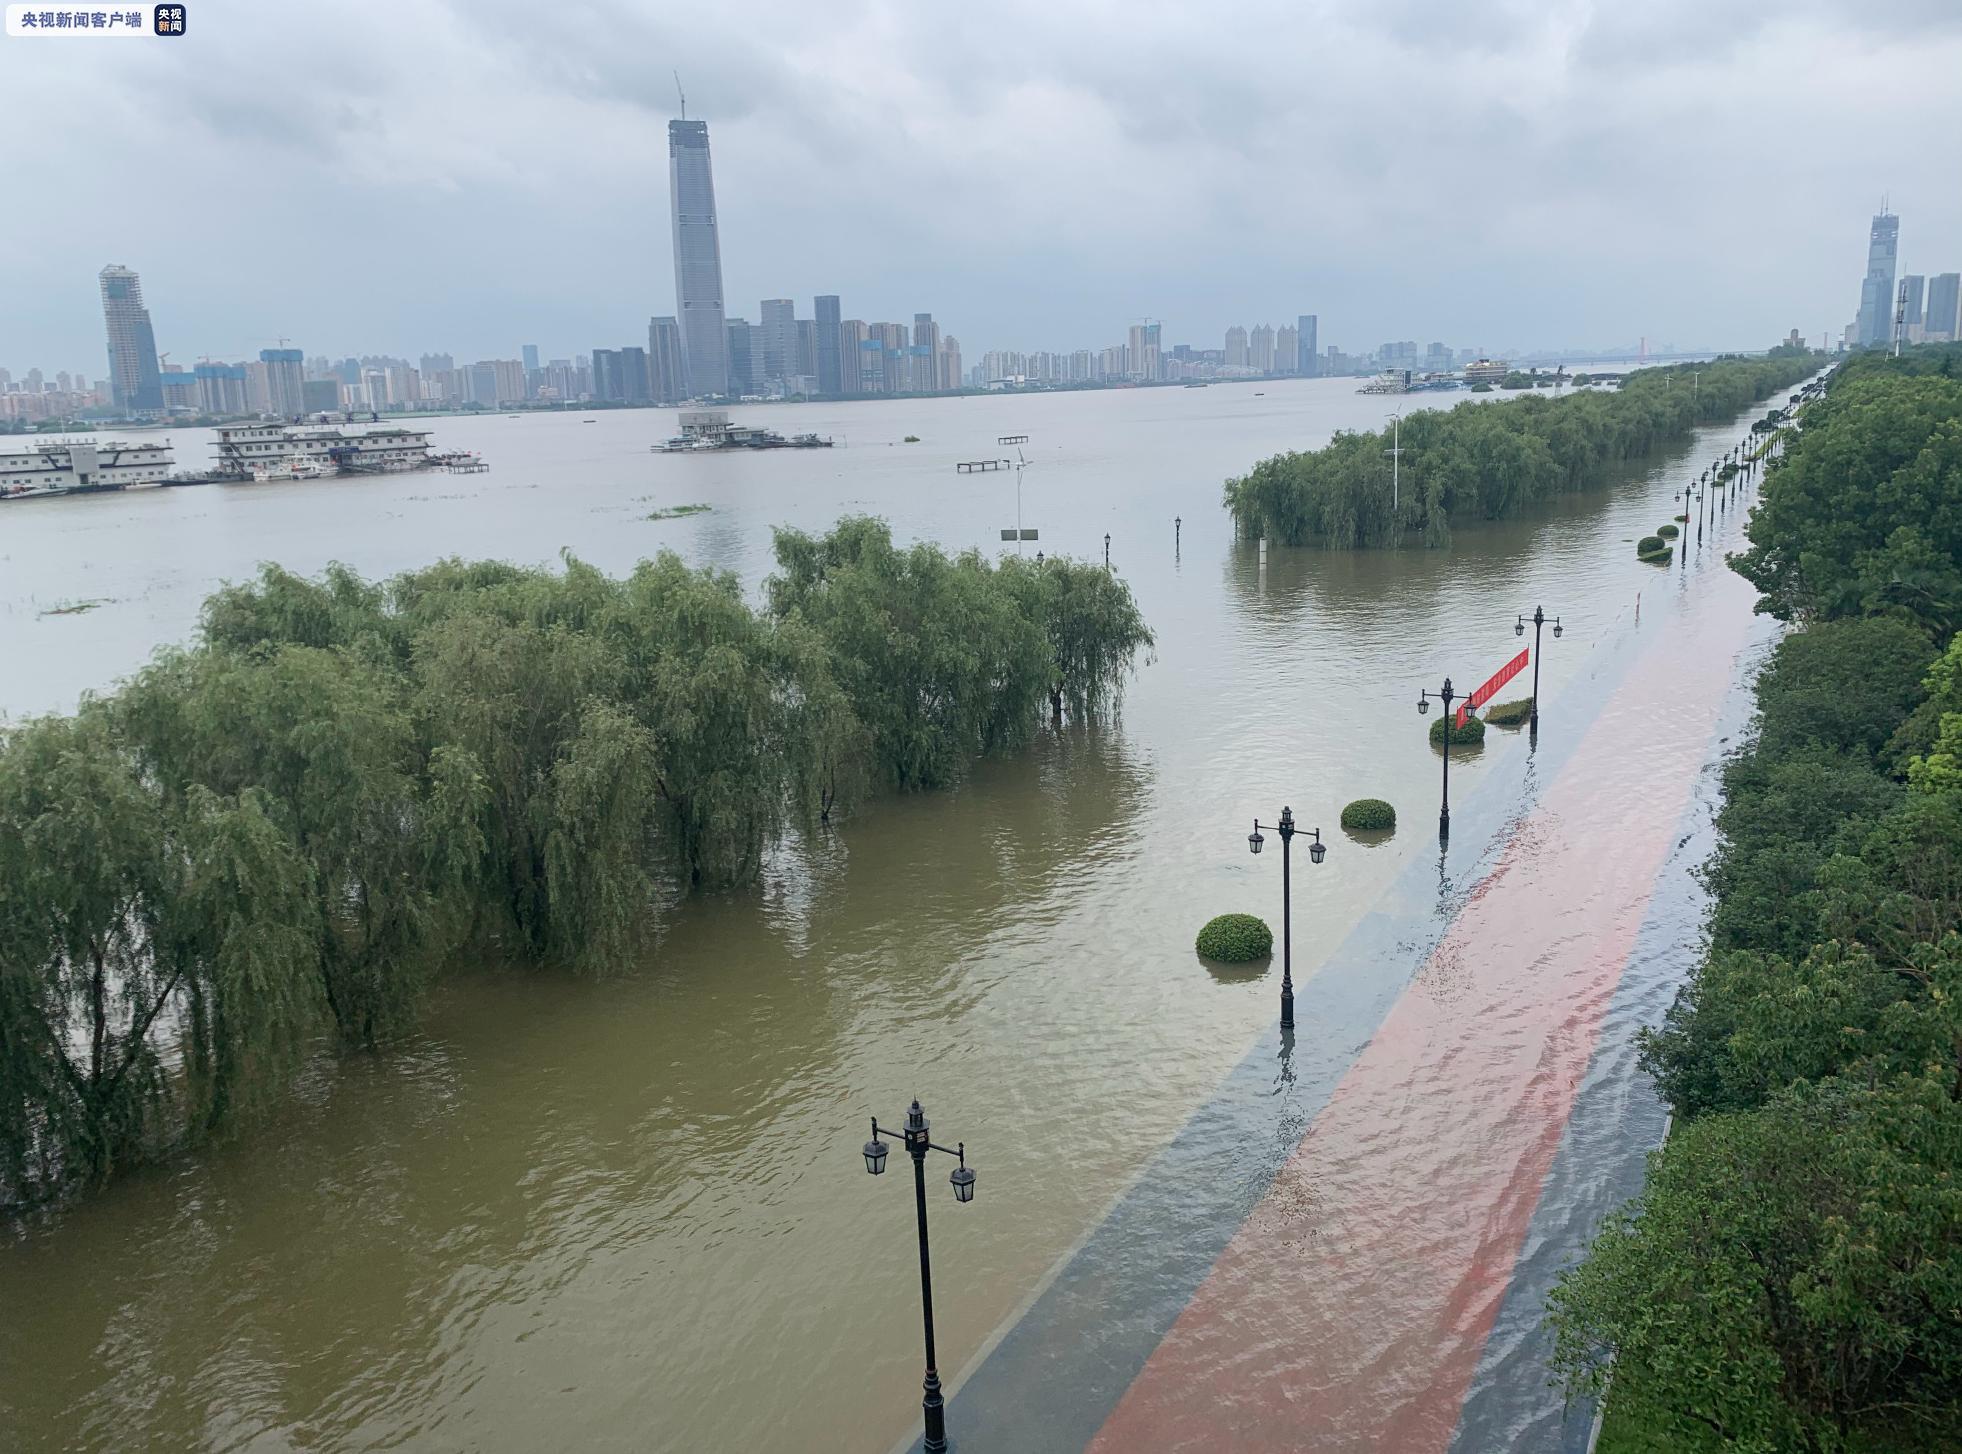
point(244, 449)
point(80, 466)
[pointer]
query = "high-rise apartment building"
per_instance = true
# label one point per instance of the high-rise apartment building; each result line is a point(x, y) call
point(285, 381)
point(697, 260)
point(923, 374)
point(779, 339)
point(830, 354)
point(1260, 348)
point(1307, 355)
point(1287, 349)
point(1874, 327)
point(950, 363)
point(135, 382)
point(1940, 322)
point(1142, 354)
point(666, 378)
point(1236, 346)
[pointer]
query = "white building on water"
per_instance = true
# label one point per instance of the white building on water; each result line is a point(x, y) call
point(73, 466)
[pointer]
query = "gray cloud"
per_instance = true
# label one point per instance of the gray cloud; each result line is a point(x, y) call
point(425, 174)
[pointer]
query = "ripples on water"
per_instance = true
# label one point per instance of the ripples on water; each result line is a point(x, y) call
point(632, 1214)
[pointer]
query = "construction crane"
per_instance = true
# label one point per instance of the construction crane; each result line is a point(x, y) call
point(682, 94)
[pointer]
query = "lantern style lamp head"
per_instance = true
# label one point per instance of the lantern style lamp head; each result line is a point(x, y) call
point(1423, 701)
point(1317, 850)
point(1519, 627)
point(1254, 840)
point(875, 1156)
point(963, 1184)
point(1556, 628)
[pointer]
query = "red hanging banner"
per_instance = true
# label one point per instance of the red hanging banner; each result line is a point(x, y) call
point(1485, 693)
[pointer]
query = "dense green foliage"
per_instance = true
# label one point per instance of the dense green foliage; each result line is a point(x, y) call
point(1668, 531)
point(1652, 547)
point(1509, 714)
point(1235, 939)
point(1791, 1277)
point(1468, 733)
point(1368, 813)
point(1865, 514)
point(1492, 461)
point(275, 840)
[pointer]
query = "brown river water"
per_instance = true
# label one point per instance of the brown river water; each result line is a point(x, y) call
point(632, 1214)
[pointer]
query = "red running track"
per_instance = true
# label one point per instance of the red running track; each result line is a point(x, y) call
point(1349, 1312)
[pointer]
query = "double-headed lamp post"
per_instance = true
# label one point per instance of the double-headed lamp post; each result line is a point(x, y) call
point(1317, 851)
point(1519, 629)
point(933, 1406)
point(1447, 696)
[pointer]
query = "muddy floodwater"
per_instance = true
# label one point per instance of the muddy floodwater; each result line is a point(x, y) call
point(632, 1214)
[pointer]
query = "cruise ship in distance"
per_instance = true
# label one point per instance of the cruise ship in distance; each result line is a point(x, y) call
point(80, 466)
point(249, 451)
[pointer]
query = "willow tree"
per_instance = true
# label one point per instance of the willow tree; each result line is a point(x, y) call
point(939, 657)
point(1093, 629)
point(330, 742)
point(706, 675)
point(524, 709)
point(158, 958)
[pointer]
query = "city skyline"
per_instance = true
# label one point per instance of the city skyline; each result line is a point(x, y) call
point(860, 159)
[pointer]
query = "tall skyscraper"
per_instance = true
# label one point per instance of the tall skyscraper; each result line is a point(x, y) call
point(530, 355)
point(807, 352)
point(830, 365)
point(633, 375)
point(779, 338)
point(1144, 350)
point(1236, 346)
point(609, 385)
point(697, 259)
point(742, 350)
point(1874, 328)
point(1940, 322)
point(1304, 345)
point(666, 376)
point(1912, 286)
point(135, 381)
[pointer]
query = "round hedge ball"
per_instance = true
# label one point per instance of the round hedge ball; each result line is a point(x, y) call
point(1668, 532)
point(1236, 939)
point(1367, 813)
point(1470, 734)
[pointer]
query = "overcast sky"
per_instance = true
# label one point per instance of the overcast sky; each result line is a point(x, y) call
point(401, 176)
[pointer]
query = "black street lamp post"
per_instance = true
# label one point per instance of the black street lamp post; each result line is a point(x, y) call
point(1519, 629)
point(1106, 550)
point(1317, 851)
point(1447, 696)
point(933, 1406)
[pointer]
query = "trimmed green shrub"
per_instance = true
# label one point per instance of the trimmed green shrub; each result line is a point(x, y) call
point(1236, 939)
point(1668, 532)
point(1469, 735)
point(1369, 813)
point(1653, 548)
point(1509, 714)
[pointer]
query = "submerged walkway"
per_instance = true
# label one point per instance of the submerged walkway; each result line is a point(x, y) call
point(1349, 1246)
